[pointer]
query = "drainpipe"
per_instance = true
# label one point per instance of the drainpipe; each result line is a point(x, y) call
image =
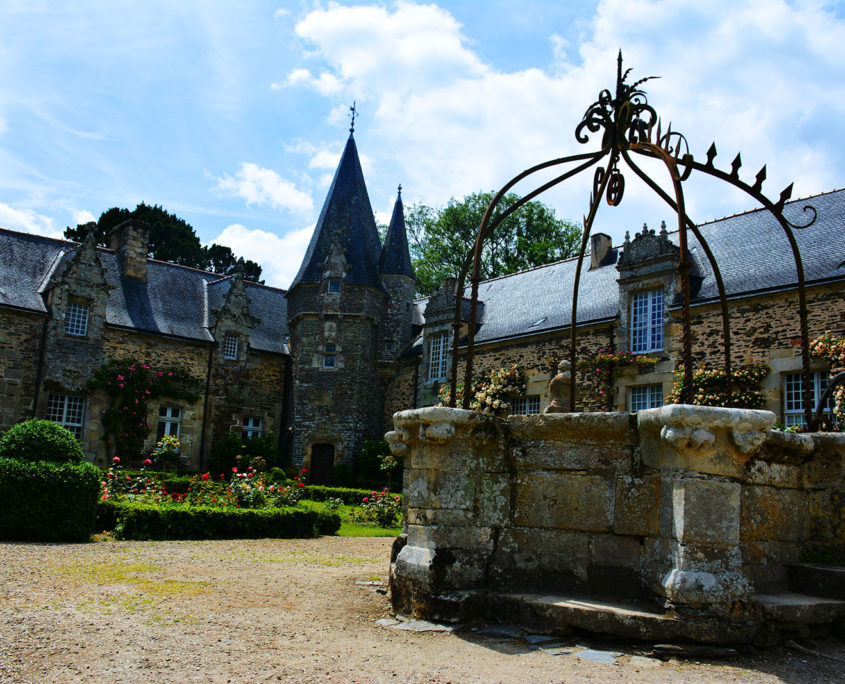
point(39, 371)
point(416, 379)
point(205, 406)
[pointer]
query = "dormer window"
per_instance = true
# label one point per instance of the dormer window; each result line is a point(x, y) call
point(333, 286)
point(647, 321)
point(76, 319)
point(230, 346)
point(329, 355)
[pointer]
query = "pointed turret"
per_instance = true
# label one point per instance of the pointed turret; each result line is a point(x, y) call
point(347, 218)
point(395, 257)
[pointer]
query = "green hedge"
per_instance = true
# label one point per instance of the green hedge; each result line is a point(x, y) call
point(140, 522)
point(351, 497)
point(51, 502)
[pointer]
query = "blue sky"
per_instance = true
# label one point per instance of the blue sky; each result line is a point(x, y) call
point(232, 115)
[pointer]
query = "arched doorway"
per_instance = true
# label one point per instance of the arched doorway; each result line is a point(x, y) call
point(322, 462)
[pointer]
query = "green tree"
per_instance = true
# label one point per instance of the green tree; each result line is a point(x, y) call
point(171, 239)
point(441, 239)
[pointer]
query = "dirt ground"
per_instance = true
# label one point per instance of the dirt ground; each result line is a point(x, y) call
point(291, 611)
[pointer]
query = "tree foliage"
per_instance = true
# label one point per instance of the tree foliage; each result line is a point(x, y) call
point(441, 239)
point(171, 239)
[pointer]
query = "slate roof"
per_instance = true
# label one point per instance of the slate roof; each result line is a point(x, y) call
point(751, 250)
point(175, 300)
point(346, 213)
point(395, 257)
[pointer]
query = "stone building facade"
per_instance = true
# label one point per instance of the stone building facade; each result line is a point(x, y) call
point(325, 364)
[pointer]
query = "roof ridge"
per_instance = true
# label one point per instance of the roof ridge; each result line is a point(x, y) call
point(756, 209)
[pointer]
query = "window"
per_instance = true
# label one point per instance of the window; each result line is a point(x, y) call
point(329, 355)
point(333, 285)
point(251, 427)
point(68, 411)
point(438, 355)
point(526, 405)
point(645, 397)
point(793, 399)
point(647, 321)
point(230, 346)
point(76, 319)
point(169, 421)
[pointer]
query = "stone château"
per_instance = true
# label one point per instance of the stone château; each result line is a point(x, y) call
point(325, 364)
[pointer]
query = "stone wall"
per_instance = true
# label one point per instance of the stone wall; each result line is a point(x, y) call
point(20, 344)
point(689, 508)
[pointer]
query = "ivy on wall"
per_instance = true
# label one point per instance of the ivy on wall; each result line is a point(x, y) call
point(131, 385)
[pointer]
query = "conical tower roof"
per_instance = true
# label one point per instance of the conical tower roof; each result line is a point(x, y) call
point(347, 216)
point(395, 257)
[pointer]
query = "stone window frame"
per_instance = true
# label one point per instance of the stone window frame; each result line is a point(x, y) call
point(329, 356)
point(793, 396)
point(68, 410)
point(231, 344)
point(333, 285)
point(642, 397)
point(77, 315)
point(438, 348)
point(526, 406)
point(646, 326)
point(251, 426)
point(169, 416)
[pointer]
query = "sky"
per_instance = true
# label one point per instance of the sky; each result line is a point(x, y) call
point(233, 115)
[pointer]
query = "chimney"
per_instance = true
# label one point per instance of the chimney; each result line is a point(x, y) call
point(130, 240)
point(450, 286)
point(599, 247)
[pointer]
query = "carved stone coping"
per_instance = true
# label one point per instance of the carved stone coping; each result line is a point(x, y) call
point(435, 425)
point(705, 439)
point(590, 428)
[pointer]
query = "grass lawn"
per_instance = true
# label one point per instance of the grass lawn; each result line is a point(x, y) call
point(351, 529)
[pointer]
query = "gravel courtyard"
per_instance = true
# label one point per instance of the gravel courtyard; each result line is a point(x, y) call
point(292, 611)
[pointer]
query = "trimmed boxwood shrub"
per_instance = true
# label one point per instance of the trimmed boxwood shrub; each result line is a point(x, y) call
point(47, 501)
point(40, 440)
point(351, 497)
point(141, 522)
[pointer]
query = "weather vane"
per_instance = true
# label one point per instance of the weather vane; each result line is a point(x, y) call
point(352, 115)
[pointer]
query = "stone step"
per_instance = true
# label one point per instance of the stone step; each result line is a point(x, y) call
point(800, 609)
point(818, 580)
point(560, 614)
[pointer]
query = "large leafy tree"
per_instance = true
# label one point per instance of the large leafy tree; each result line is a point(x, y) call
point(442, 239)
point(171, 239)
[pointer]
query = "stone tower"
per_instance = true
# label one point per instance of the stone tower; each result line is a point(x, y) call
point(397, 276)
point(342, 315)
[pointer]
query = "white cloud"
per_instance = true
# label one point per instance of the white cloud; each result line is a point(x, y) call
point(279, 257)
point(264, 186)
point(758, 76)
point(83, 216)
point(27, 221)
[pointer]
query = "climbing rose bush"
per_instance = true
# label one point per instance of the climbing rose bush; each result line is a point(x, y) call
point(711, 387)
point(832, 349)
point(494, 394)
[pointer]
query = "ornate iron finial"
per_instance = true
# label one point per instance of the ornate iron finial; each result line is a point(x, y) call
point(399, 191)
point(352, 114)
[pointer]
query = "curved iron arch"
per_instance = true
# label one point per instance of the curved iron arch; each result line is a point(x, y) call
point(627, 123)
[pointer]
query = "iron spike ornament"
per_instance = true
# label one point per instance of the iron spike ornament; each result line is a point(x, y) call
point(630, 127)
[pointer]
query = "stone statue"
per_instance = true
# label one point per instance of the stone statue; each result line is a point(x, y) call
point(560, 389)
